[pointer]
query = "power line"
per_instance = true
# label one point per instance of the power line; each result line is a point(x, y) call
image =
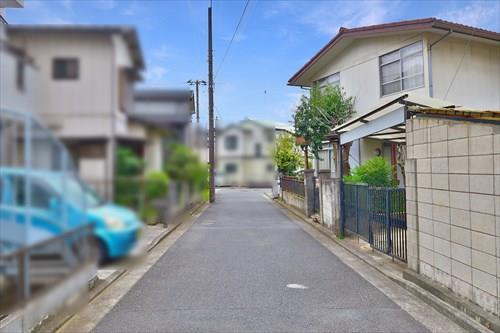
point(232, 38)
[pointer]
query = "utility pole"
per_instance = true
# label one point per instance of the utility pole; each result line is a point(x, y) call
point(197, 83)
point(211, 154)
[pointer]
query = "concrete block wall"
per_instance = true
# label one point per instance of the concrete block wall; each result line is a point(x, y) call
point(453, 206)
point(294, 200)
point(330, 202)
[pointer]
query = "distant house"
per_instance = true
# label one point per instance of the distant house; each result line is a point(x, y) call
point(86, 79)
point(244, 153)
point(427, 58)
point(167, 113)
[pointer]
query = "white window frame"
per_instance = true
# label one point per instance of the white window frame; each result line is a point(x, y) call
point(401, 78)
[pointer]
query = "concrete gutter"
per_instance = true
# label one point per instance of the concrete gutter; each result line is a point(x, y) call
point(98, 286)
point(398, 274)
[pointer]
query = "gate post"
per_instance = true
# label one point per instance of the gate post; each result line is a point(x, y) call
point(324, 177)
point(388, 221)
point(309, 191)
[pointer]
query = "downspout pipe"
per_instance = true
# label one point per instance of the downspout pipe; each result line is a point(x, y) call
point(429, 56)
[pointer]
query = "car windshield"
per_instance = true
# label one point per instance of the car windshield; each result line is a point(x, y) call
point(76, 192)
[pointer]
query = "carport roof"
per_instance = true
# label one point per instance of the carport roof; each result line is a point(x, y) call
point(387, 121)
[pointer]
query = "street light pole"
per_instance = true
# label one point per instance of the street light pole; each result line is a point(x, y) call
point(197, 83)
point(211, 154)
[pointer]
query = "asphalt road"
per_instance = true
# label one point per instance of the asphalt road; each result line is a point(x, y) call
point(230, 271)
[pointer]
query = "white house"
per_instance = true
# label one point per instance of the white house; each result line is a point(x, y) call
point(244, 153)
point(425, 58)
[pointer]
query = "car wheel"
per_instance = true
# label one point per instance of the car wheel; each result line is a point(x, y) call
point(100, 252)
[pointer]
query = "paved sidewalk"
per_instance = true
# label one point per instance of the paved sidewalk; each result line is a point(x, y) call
point(245, 266)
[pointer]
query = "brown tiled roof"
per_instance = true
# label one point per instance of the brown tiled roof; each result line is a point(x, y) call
point(419, 24)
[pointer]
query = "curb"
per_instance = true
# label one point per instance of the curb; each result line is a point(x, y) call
point(439, 305)
point(97, 287)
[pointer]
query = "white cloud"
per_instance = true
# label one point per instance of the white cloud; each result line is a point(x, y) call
point(155, 73)
point(478, 14)
point(132, 9)
point(105, 4)
point(67, 4)
point(161, 53)
point(328, 17)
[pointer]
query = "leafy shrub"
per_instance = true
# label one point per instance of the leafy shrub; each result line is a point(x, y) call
point(155, 186)
point(374, 172)
point(183, 165)
point(127, 184)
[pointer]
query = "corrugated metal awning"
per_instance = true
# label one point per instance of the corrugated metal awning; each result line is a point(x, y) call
point(387, 121)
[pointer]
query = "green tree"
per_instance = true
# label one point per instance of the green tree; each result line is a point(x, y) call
point(128, 163)
point(285, 154)
point(318, 114)
point(184, 165)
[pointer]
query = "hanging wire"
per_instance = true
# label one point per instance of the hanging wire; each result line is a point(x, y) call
point(232, 38)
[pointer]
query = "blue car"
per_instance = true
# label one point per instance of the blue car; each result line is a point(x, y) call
point(60, 202)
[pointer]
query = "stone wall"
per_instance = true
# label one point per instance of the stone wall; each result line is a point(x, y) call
point(294, 200)
point(453, 206)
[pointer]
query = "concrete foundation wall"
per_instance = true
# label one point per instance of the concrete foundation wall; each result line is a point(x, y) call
point(294, 200)
point(453, 206)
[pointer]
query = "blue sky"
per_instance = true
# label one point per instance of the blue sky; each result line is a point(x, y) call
point(275, 39)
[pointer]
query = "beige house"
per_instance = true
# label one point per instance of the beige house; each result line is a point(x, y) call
point(86, 84)
point(425, 57)
point(244, 153)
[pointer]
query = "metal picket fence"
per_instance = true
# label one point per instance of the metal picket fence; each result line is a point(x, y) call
point(293, 185)
point(377, 215)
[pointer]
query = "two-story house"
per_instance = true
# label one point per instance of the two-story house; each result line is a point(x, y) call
point(430, 59)
point(86, 90)
point(244, 153)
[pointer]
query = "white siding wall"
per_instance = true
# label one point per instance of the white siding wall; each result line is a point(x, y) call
point(358, 65)
point(11, 98)
point(477, 69)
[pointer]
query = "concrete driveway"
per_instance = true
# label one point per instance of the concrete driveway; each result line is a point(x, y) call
point(244, 266)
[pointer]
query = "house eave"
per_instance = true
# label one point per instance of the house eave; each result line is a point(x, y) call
point(428, 24)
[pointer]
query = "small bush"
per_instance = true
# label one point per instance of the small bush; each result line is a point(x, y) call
point(155, 187)
point(374, 172)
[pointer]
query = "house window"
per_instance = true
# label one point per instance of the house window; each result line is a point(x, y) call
point(258, 150)
point(20, 75)
point(231, 168)
point(330, 80)
point(65, 68)
point(231, 142)
point(402, 69)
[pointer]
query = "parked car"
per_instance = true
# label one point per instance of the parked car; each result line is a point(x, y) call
point(60, 202)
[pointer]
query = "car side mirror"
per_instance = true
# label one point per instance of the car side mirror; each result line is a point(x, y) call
point(55, 205)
